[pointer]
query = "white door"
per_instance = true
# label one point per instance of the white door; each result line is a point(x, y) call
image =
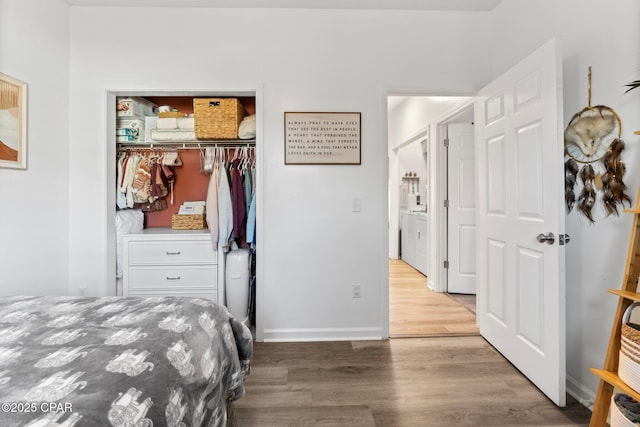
point(521, 282)
point(462, 209)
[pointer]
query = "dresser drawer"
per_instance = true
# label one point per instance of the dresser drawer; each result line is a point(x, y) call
point(193, 293)
point(171, 252)
point(172, 278)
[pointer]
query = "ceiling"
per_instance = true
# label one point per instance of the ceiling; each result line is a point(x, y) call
point(456, 5)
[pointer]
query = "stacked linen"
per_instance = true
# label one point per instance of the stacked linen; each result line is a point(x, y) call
point(130, 114)
point(174, 129)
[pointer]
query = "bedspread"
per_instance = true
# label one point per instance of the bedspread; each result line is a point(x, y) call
point(120, 361)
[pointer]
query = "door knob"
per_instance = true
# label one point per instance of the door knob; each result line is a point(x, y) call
point(564, 239)
point(548, 238)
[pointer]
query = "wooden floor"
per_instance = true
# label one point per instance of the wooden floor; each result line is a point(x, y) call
point(452, 381)
point(415, 310)
point(434, 381)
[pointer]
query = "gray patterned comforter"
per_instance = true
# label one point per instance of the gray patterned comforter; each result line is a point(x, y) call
point(120, 361)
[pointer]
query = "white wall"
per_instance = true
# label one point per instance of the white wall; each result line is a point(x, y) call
point(313, 246)
point(34, 230)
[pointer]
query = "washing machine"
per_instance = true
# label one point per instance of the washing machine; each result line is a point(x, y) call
point(237, 284)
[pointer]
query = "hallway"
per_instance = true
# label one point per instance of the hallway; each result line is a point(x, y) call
point(417, 311)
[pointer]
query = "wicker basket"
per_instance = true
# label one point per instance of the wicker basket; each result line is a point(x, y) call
point(618, 419)
point(629, 360)
point(188, 222)
point(217, 118)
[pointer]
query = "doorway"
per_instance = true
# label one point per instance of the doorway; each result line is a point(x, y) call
point(419, 304)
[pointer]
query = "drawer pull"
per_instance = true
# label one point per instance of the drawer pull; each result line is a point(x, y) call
point(173, 253)
point(173, 278)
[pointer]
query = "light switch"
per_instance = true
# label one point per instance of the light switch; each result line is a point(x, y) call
point(356, 205)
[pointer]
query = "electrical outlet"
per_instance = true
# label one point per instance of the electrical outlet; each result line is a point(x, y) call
point(356, 205)
point(356, 290)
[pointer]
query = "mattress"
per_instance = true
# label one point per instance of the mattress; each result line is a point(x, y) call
point(119, 361)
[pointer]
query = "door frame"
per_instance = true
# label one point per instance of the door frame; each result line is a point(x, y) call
point(440, 214)
point(109, 230)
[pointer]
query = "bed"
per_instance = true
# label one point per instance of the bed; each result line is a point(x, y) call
point(120, 361)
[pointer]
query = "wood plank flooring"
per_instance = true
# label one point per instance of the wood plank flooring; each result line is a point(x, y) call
point(415, 310)
point(447, 381)
point(432, 381)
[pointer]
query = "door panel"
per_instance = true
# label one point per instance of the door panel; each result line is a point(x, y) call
point(528, 146)
point(496, 286)
point(530, 299)
point(496, 178)
point(521, 284)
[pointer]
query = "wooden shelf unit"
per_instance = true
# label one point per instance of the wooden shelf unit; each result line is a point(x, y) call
point(628, 294)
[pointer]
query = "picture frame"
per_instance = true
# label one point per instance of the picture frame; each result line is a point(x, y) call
point(322, 138)
point(13, 123)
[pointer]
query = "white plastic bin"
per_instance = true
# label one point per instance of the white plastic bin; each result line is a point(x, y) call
point(237, 284)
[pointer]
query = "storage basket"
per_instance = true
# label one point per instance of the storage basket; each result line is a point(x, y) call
point(188, 222)
point(618, 419)
point(217, 118)
point(629, 358)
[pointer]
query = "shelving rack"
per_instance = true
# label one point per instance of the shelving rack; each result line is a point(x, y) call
point(628, 294)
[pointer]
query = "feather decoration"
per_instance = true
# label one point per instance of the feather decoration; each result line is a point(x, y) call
point(587, 198)
point(614, 189)
point(570, 176)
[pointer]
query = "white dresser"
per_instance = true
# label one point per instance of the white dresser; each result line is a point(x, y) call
point(164, 262)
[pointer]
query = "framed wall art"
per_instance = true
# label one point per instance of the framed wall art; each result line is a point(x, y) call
point(13, 123)
point(322, 138)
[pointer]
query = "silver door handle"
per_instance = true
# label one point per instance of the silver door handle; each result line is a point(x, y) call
point(564, 239)
point(548, 238)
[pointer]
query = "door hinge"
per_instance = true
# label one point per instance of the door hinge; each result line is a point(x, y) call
point(446, 264)
point(446, 142)
point(446, 203)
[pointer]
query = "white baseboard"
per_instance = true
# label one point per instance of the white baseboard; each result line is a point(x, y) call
point(580, 392)
point(322, 334)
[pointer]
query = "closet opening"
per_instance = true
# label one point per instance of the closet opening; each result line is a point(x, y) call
point(431, 213)
point(183, 197)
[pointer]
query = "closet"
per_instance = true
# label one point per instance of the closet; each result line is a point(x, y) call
point(173, 231)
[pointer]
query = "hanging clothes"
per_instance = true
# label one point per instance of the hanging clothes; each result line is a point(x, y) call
point(225, 209)
point(121, 198)
point(212, 206)
point(248, 186)
point(251, 224)
point(127, 182)
point(143, 182)
point(237, 200)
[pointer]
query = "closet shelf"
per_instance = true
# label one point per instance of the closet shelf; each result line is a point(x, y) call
point(188, 144)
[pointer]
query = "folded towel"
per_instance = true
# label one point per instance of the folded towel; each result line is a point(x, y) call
point(173, 135)
point(186, 123)
point(629, 407)
point(167, 123)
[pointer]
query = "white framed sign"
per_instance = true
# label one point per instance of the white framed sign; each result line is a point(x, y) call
point(322, 138)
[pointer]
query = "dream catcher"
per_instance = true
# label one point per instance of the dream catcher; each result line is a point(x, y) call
point(592, 146)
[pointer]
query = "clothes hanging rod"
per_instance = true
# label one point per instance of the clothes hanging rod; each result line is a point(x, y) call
point(184, 145)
